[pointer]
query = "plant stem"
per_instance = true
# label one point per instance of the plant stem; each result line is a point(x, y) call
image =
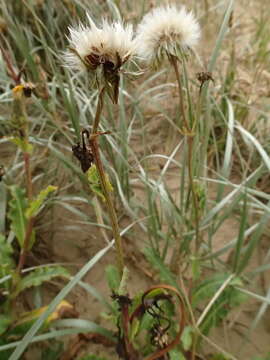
point(190, 141)
point(98, 111)
point(30, 223)
point(25, 247)
point(173, 61)
point(106, 191)
point(27, 169)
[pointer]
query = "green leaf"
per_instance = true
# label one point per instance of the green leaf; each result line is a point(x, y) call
point(5, 321)
point(156, 261)
point(6, 260)
point(24, 323)
point(228, 299)
point(53, 351)
point(113, 277)
point(123, 287)
point(18, 205)
point(146, 323)
point(207, 288)
point(176, 355)
point(94, 182)
point(36, 204)
point(40, 275)
point(186, 337)
point(134, 329)
point(23, 144)
point(5, 355)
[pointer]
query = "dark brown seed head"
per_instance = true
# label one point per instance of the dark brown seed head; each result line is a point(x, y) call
point(204, 76)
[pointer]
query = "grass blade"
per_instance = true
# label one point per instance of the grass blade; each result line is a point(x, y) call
point(59, 297)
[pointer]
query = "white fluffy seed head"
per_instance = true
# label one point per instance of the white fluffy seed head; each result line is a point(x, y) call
point(91, 45)
point(166, 30)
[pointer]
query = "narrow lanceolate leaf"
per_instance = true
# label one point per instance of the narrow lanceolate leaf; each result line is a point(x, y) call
point(38, 276)
point(186, 337)
point(113, 277)
point(5, 321)
point(208, 287)
point(18, 205)
point(18, 329)
point(155, 260)
point(94, 182)
point(6, 260)
point(36, 204)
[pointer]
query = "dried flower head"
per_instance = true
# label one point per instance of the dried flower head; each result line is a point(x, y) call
point(166, 31)
point(101, 50)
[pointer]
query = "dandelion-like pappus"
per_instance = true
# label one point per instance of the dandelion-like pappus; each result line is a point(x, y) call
point(102, 51)
point(166, 31)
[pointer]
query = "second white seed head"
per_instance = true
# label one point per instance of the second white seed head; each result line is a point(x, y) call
point(165, 30)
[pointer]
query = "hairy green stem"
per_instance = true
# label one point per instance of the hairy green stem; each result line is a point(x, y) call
point(104, 184)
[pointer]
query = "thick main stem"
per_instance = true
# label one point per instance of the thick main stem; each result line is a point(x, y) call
point(190, 138)
point(104, 184)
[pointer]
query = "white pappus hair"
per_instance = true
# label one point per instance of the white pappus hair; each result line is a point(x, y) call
point(164, 29)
